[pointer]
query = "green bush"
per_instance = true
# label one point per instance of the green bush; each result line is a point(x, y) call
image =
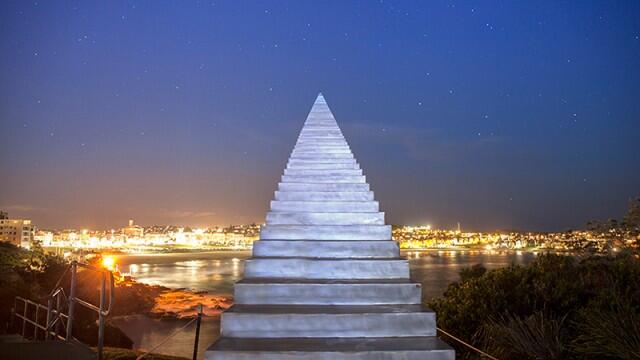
point(32, 274)
point(608, 333)
point(550, 302)
point(534, 337)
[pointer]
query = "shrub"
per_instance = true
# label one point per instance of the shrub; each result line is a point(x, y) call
point(608, 333)
point(574, 294)
point(535, 337)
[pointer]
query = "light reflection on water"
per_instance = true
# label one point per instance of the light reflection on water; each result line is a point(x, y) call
point(211, 271)
point(216, 272)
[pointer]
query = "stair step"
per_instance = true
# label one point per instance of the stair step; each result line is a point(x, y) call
point(324, 206)
point(325, 166)
point(325, 218)
point(320, 147)
point(326, 249)
point(325, 172)
point(320, 137)
point(321, 124)
point(319, 196)
point(331, 150)
point(341, 187)
point(386, 348)
point(326, 125)
point(345, 321)
point(325, 232)
point(326, 293)
point(327, 156)
point(304, 268)
point(321, 132)
point(320, 161)
point(324, 179)
point(306, 141)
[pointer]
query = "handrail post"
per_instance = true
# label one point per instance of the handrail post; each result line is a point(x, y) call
point(14, 318)
point(49, 313)
point(72, 300)
point(198, 321)
point(59, 316)
point(35, 324)
point(11, 323)
point(24, 319)
point(101, 315)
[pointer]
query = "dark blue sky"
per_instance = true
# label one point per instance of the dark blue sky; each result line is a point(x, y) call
point(514, 114)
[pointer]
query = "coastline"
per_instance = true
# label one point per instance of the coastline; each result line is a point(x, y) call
point(216, 271)
point(169, 303)
point(181, 302)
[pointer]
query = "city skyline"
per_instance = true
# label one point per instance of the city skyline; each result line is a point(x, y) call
point(515, 116)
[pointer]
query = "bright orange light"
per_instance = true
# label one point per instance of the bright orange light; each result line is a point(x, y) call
point(109, 262)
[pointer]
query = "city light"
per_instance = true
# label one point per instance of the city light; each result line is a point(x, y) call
point(109, 262)
point(134, 238)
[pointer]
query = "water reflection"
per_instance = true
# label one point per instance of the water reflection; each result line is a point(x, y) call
point(217, 271)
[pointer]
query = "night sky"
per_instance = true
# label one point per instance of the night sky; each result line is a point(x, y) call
point(499, 115)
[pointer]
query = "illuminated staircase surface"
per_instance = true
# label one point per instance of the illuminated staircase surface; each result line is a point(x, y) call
point(326, 280)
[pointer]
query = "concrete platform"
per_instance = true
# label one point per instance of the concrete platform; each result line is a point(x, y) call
point(325, 206)
point(327, 292)
point(325, 218)
point(307, 141)
point(365, 249)
point(406, 348)
point(343, 321)
point(322, 156)
point(315, 148)
point(325, 232)
point(308, 187)
point(293, 162)
point(321, 137)
point(340, 269)
point(325, 166)
point(319, 196)
point(324, 179)
point(325, 172)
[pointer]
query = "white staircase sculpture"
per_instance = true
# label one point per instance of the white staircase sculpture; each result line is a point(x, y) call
point(326, 280)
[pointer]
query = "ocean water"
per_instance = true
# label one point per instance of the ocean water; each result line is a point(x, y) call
point(217, 271)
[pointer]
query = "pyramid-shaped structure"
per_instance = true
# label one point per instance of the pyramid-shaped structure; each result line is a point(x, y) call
point(326, 280)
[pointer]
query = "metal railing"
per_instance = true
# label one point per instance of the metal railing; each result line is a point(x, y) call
point(197, 320)
point(57, 322)
point(469, 346)
point(46, 329)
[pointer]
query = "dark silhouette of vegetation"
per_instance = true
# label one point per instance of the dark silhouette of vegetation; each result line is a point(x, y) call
point(32, 274)
point(535, 336)
point(631, 220)
point(558, 307)
point(629, 225)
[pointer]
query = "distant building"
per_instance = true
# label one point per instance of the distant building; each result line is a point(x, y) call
point(16, 231)
point(132, 230)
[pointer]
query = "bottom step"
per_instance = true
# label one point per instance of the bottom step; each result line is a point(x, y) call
point(409, 348)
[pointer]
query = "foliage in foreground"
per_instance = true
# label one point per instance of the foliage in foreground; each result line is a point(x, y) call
point(32, 274)
point(558, 307)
